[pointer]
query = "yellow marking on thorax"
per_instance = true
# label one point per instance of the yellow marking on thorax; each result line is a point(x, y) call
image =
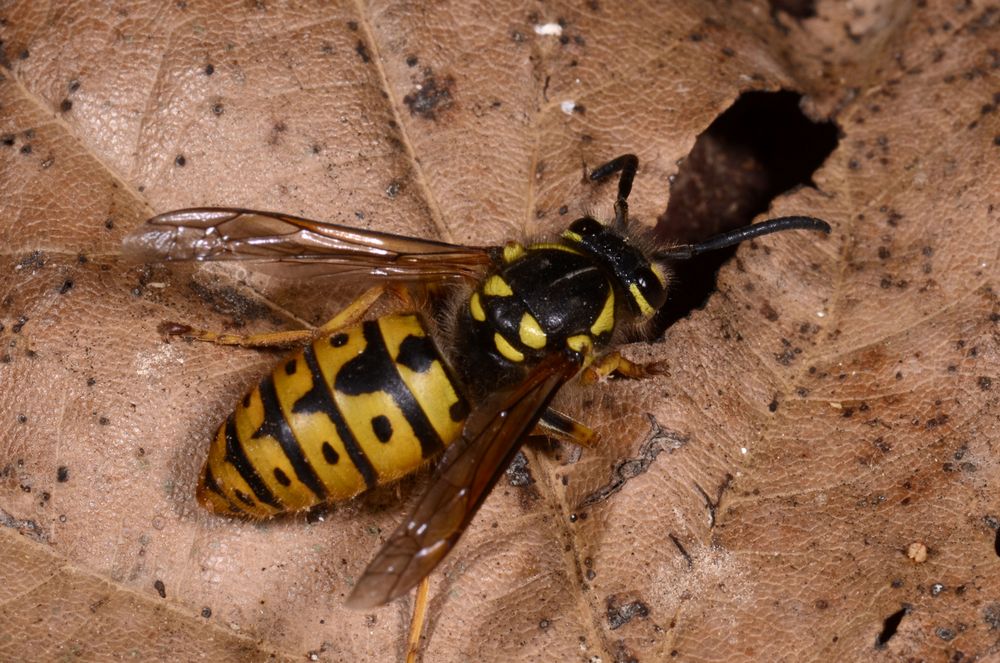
point(476, 308)
point(580, 343)
point(513, 251)
point(553, 245)
point(644, 307)
point(497, 287)
point(531, 333)
point(606, 319)
point(570, 235)
point(506, 349)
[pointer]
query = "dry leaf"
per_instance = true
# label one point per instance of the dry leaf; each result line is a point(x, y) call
point(815, 480)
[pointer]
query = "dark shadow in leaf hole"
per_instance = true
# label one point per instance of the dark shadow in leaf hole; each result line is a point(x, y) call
point(890, 625)
point(798, 9)
point(760, 147)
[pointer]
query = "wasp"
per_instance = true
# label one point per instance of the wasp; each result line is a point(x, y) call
point(368, 401)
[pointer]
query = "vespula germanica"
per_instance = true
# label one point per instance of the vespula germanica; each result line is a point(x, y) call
point(368, 401)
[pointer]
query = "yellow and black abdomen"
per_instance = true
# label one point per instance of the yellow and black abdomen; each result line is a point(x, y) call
point(362, 407)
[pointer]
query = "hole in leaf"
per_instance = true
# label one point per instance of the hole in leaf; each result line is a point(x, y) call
point(890, 625)
point(799, 9)
point(760, 147)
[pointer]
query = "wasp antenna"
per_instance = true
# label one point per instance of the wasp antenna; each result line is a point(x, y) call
point(687, 251)
point(627, 164)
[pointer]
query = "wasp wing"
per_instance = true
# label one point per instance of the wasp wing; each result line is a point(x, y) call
point(291, 246)
point(467, 471)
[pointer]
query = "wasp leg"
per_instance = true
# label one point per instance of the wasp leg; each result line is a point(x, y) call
point(360, 306)
point(417, 623)
point(556, 424)
point(619, 365)
point(281, 339)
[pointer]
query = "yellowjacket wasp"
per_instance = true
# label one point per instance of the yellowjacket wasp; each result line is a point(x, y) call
point(368, 401)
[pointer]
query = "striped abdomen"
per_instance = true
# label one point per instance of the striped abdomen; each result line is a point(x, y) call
point(362, 407)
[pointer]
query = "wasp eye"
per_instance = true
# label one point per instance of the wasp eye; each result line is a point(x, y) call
point(587, 227)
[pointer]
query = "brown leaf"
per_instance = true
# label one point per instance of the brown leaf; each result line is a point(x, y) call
point(829, 418)
point(54, 610)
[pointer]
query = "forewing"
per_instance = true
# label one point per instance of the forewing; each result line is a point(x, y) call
point(467, 471)
point(290, 246)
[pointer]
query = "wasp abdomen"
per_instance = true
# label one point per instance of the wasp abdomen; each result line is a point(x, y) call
point(362, 407)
